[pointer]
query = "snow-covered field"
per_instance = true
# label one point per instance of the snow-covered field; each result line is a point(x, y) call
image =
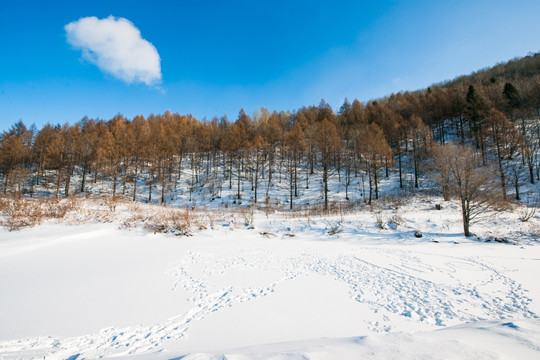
point(280, 288)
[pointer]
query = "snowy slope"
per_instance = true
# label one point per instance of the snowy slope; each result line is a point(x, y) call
point(292, 288)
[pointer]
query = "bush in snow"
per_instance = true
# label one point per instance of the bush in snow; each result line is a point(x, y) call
point(20, 212)
point(529, 210)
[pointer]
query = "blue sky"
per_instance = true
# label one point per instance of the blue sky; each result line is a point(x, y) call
point(218, 56)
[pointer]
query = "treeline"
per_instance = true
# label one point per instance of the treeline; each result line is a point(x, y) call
point(495, 110)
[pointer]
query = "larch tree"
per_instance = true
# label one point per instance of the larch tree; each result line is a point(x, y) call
point(71, 136)
point(111, 148)
point(55, 158)
point(216, 136)
point(328, 143)
point(390, 123)
point(15, 154)
point(235, 141)
point(161, 150)
point(258, 147)
point(272, 134)
point(375, 153)
point(136, 142)
point(421, 139)
point(43, 138)
point(350, 120)
point(294, 147)
point(85, 146)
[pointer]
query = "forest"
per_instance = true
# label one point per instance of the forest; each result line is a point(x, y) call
point(490, 116)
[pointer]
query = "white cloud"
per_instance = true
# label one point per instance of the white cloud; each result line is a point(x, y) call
point(115, 45)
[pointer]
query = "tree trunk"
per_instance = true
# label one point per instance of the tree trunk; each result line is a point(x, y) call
point(295, 176)
point(239, 175)
point(370, 186)
point(376, 179)
point(461, 132)
point(124, 177)
point(114, 187)
point(291, 186)
point(163, 186)
point(83, 178)
point(6, 183)
point(415, 161)
point(325, 181)
point(270, 167)
point(150, 188)
point(256, 178)
point(347, 181)
point(516, 184)
point(58, 180)
point(230, 173)
point(68, 181)
point(400, 172)
point(466, 218)
point(135, 181)
point(501, 170)
point(482, 148)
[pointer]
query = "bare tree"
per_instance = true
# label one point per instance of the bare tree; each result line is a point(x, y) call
point(506, 143)
point(442, 174)
point(474, 185)
point(421, 139)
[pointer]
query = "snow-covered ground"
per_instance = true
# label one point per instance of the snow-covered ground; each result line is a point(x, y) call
point(281, 287)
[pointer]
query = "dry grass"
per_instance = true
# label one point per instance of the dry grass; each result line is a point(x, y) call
point(180, 222)
point(110, 202)
point(318, 211)
point(528, 210)
point(18, 213)
point(247, 215)
point(335, 229)
point(379, 220)
point(395, 220)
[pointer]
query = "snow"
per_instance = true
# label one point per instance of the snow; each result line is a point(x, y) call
point(284, 287)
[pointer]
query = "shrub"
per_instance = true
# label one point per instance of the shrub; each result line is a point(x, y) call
point(379, 220)
point(247, 215)
point(19, 213)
